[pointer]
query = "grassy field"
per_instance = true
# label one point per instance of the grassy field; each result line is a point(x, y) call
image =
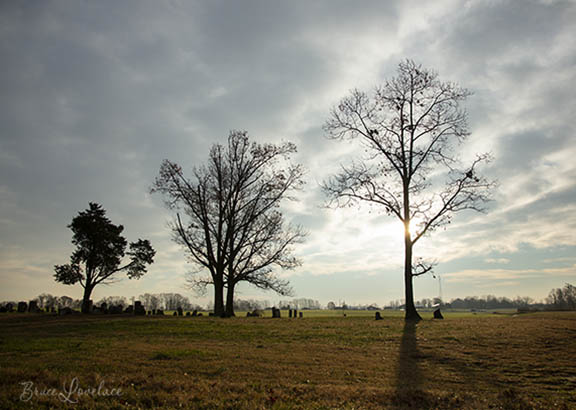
point(465, 361)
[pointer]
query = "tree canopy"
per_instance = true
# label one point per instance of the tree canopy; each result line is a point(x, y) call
point(228, 218)
point(410, 128)
point(100, 250)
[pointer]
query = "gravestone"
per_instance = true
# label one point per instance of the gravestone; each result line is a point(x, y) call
point(139, 309)
point(22, 307)
point(9, 307)
point(195, 313)
point(199, 314)
point(33, 306)
point(378, 316)
point(254, 313)
point(104, 307)
point(65, 311)
point(290, 313)
point(187, 313)
point(159, 312)
point(179, 311)
point(275, 313)
point(295, 313)
point(3, 309)
point(438, 314)
point(174, 314)
point(129, 309)
point(115, 309)
point(301, 314)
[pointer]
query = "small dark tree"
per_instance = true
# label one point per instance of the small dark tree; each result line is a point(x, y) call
point(563, 298)
point(234, 229)
point(409, 128)
point(100, 249)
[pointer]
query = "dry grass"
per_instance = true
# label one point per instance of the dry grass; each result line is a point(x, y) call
point(495, 361)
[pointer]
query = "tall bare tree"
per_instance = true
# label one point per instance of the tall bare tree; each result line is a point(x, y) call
point(410, 128)
point(234, 229)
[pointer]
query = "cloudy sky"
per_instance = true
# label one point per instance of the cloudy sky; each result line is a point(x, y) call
point(95, 94)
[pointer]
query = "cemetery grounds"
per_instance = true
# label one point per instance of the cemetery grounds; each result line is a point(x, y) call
point(321, 361)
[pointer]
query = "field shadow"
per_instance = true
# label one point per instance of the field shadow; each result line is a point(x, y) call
point(408, 373)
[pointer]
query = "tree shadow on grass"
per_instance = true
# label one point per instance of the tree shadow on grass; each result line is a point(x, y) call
point(409, 393)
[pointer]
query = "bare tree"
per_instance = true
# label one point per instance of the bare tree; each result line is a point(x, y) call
point(563, 298)
point(234, 228)
point(409, 128)
point(150, 302)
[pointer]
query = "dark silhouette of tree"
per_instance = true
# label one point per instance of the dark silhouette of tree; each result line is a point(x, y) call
point(100, 249)
point(409, 128)
point(234, 230)
point(563, 298)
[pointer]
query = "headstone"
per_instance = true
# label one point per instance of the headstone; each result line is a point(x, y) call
point(9, 307)
point(65, 311)
point(22, 307)
point(104, 307)
point(52, 309)
point(33, 306)
point(47, 309)
point(301, 314)
point(438, 314)
point(295, 313)
point(174, 314)
point(179, 311)
point(195, 313)
point(139, 309)
point(187, 313)
point(199, 314)
point(378, 316)
point(290, 313)
point(129, 309)
point(275, 313)
point(115, 309)
point(159, 312)
point(3, 309)
point(210, 314)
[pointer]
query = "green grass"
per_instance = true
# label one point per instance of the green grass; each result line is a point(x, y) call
point(322, 361)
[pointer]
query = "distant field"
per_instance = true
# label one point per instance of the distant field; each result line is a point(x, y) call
point(465, 361)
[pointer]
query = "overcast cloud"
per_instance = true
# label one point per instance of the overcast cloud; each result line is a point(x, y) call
point(94, 94)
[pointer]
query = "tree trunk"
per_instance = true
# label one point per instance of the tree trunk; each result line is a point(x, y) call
point(86, 298)
point(218, 298)
point(230, 301)
point(411, 312)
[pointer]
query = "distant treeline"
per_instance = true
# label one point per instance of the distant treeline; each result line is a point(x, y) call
point(558, 299)
point(164, 301)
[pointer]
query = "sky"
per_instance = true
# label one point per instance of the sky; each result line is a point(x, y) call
point(95, 94)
